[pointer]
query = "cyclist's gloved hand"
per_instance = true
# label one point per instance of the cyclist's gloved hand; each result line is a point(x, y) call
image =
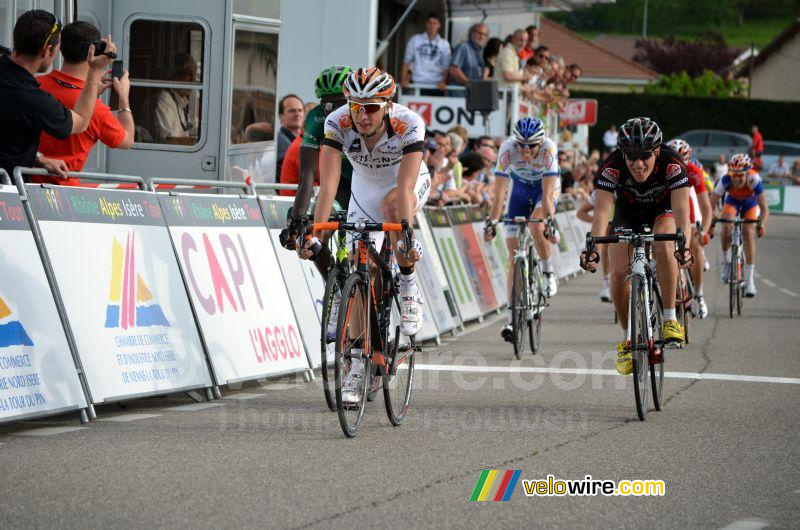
point(310, 248)
point(489, 230)
point(288, 236)
point(684, 259)
point(589, 260)
point(416, 249)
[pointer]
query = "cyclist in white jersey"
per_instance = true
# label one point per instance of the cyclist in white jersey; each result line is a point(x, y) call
point(384, 142)
point(529, 159)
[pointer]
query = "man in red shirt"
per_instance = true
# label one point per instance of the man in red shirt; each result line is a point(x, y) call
point(290, 169)
point(757, 147)
point(66, 85)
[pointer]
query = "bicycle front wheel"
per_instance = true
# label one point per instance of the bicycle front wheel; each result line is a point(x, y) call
point(733, 280)
point(685, 313)
point(352, 345)
point(331, 302)
point(399, 378)
point(519, 307)
point(538, 303)
point(657, 351)
point(639, 346)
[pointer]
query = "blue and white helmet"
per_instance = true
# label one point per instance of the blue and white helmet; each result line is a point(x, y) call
point(529, 131)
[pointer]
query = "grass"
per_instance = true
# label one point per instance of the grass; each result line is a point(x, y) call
point(759, 31)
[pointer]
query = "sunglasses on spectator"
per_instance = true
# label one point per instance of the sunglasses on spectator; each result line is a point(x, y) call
point(369, 108)
point(56, 28)
point(633, 157)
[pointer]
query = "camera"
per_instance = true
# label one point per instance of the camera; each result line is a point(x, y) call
point(99, 49)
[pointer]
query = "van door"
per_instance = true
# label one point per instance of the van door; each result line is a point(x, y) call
point(174, 53)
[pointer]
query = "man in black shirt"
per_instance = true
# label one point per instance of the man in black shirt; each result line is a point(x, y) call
point(25, 109)
point(648, 185)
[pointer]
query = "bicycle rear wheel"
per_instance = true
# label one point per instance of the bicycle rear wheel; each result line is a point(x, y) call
point(657, 353)
point(733, 280)
point(353, 332)
point(538, 302)
point(519, 307)
point(686, 300)
point(333, 290)
point(639, 346)
point(399, 378)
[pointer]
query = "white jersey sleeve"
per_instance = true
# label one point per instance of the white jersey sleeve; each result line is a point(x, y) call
point(549, 156)
point(336, 125)
point(503, 167)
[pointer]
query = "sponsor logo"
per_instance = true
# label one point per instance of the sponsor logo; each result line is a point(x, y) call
point(495, 485)
point(355, 146)
point(611, 174)
point(12, 332)
point(423, 189)
point(673, 170)
point(680, 182)
point(398, 126)
point(421, 108)
point(130, 301)
point(345, 122)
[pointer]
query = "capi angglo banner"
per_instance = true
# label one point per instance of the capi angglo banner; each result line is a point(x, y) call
point(236, 286)
point(37, 372)
point(122, 290)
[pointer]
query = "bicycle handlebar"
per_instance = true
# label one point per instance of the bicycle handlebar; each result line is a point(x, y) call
point(736, 221)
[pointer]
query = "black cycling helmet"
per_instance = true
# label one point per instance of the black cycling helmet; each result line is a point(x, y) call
point(639, 134)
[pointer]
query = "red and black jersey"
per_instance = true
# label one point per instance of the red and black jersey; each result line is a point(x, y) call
point(654, 193)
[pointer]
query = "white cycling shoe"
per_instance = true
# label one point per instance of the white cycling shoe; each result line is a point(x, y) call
point(353, 384)
point(724, 268)
point(605, 293)
point(410, 308)
point(702, 308)
point(750, 289)
point(550, 284)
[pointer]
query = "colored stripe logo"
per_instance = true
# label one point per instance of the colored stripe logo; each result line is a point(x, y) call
point(12, 332)
point(495, 485)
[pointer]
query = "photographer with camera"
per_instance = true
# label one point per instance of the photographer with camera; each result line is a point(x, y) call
point(66, 85)
point(26, 110)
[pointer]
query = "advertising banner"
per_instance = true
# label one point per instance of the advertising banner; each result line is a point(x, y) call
point(235, 285)
point(306, 286)
point(434, 279)
point(444, 112)
point(497, 273)
point(466, 300)
point(775, 197)
point(37, 371)
point(122, 290)
point(474, 260)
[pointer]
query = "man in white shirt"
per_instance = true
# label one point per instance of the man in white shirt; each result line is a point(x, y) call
point(720, 167)
point(430, 56)
point(174, 121)
point(780, 170)
point(610, 138)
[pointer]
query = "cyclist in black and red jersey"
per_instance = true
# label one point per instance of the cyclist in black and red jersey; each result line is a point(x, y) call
point(648, 185)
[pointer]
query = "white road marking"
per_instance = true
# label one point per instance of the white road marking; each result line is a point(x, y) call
point(48, 431)
point(768, 282)
point(790, 293)
point(746, 524)
point(194, 406)
point(598, 371)
point(243, 395)
point(129, 417)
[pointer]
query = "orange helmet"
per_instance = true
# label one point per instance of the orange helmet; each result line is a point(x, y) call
point(739, 163)
point(371, 82)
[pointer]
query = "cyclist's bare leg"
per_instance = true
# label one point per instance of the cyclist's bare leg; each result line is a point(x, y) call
point(619, 257)
point(390, 215)
point(511, 245)
point(699, 260)
point(749, 237)
point(667, 265)
point(727, 230)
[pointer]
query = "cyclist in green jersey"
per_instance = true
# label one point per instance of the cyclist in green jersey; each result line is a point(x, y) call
point(328, 87)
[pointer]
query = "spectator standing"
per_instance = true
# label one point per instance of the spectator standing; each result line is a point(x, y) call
point(720, 167)
point(490, 53)
point(533, 41)
point(780, 170)
point(430, 56)
point(467, 65)
point(66, 85)
point(507, 71)
point(756, 147)
point(291, 116)
point(610, 138)
point(25, 110)
point(796, 171)
point(483, 141)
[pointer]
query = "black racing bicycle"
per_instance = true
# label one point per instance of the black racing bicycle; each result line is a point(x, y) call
point(735, 276)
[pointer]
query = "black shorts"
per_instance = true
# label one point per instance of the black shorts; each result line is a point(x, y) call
point(636, 219)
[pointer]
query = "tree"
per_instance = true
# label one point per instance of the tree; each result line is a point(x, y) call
point(708, 85)
point(672, 55)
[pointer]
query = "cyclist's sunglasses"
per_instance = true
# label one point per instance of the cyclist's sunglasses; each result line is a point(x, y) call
point(527, 146)
point(56, 29)
point(369, 108)
point(640, 155)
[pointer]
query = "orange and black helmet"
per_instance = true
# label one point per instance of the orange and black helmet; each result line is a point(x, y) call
point(371, 82)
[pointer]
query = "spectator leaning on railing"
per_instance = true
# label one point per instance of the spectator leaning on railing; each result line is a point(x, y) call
point(430, 56)
point(507, 71)
point(490, 53)
point(780, 170)
point(468, 57)
point(66, 85)
point(26, 110)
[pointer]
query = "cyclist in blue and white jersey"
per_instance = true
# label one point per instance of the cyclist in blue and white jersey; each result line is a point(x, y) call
point(529, 160)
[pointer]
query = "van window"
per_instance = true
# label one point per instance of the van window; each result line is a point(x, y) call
point(166, 69)
point(255, 64)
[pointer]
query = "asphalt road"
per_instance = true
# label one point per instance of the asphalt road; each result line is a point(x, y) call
point(725, 447)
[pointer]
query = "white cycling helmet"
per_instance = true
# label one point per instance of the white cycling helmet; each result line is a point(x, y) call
point(366, 83)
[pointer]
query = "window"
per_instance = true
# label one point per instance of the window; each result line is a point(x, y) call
point(721, 140)
point(166, 68)
point(255, 64)
point(695, 138)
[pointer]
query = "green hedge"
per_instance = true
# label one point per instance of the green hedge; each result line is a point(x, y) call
point(776, 120)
